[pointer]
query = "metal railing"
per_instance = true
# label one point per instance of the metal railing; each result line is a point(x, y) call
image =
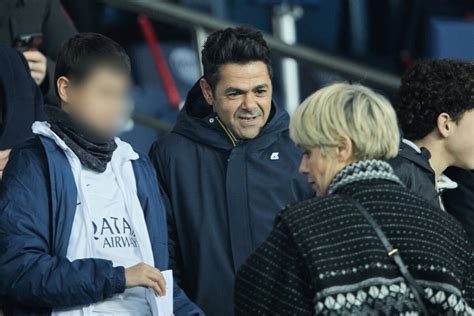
point(149, 121)
point(179, 15)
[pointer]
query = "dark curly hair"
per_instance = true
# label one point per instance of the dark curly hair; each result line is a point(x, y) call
point(238, 45)
point(432, 87)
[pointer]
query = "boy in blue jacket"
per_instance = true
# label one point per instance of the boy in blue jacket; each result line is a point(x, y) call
point(82, 224)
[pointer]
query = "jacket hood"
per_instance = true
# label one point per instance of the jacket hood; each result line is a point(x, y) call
point(123, 152)
point(198, 122)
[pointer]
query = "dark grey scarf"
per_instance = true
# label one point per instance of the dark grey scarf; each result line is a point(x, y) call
point(93, 151)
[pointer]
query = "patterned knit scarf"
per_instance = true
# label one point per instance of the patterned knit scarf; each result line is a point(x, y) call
point(93, 151)
point(363, 170)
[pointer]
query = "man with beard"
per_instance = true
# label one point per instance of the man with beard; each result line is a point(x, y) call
point(82, 224)
point(228, 168)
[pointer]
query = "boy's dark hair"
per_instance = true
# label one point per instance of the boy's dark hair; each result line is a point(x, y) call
point(432, 87)
point(238, 45)
point(80, 54)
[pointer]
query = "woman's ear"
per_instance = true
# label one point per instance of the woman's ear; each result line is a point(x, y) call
point(206, 91)
point(345, 150)
point(444, 124)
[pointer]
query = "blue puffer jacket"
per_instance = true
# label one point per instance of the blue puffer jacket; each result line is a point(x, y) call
point(37, 206)
point(223, 198)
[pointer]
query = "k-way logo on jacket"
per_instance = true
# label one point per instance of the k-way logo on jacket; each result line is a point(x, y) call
point(115, 233)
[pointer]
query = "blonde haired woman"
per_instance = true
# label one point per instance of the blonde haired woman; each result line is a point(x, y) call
point(365, 245)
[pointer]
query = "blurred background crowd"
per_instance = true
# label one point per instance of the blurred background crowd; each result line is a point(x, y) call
point(370, 41)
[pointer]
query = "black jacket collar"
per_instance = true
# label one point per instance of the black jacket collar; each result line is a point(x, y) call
point(422, 159)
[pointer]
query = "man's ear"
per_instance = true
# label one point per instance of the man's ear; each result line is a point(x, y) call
point(63, 85)
point(345, 150)
point(206, 91)
point(444, 124)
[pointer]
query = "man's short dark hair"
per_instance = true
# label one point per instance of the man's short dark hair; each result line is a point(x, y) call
point(432, 87)
point(80, 54)
point(239, 45)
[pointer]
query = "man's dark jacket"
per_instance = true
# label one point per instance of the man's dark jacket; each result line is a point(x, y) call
point(223, 198)
point(415, 171)
point(38, 200)
point(23, 17)
point(21, 102)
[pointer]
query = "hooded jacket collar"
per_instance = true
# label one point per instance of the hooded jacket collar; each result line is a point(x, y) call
point(420, 157)
point(123, 152)
point(199, 123)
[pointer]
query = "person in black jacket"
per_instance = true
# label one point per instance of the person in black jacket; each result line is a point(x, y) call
point(21, 102)
point(434, 108)
point(228, 167)
point(45, 17)
point(324, 257)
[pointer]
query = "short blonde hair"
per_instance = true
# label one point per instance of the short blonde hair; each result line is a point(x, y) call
point(351, 110)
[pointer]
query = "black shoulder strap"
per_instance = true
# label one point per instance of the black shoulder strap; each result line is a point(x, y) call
point(393, 253)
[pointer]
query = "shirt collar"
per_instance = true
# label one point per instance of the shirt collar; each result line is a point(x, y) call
point(445, 183)
point(412, 145)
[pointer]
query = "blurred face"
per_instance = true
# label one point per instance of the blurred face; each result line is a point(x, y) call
point(460, 143)
point(242, 97)
point(99, 101)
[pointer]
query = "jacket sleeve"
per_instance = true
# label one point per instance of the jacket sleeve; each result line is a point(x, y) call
point(173, 243)
point(275, 279)
point(183, 305)
point(29, 272)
